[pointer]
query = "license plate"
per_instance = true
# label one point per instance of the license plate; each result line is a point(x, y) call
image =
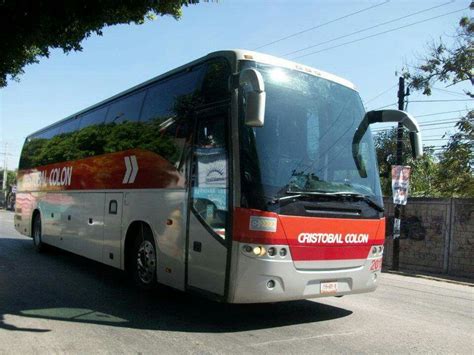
point(328, 287)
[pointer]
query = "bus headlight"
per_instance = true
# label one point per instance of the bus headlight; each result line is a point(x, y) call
point(259, 251)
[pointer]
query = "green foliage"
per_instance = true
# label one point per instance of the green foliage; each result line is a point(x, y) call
point(100, 139)
point(444, 64)
point(32, 28)
point(423, 171)
point(449, 174)
point(456, 167)
point(11, 178)
point(452, 65)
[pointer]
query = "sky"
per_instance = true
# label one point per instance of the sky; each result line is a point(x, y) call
point(127, 55)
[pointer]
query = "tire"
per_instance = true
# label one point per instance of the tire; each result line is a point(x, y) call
point(37, 234)
point(143, 262)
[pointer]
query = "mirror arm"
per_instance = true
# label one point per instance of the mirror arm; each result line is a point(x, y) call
point(355, 146)
point(386, 116)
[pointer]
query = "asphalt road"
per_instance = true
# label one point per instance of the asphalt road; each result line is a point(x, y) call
point(57, 302)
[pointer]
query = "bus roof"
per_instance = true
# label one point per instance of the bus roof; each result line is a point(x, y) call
point(236, 55)
point(242, 54)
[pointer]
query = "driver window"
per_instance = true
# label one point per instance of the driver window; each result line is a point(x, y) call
point(210, 174)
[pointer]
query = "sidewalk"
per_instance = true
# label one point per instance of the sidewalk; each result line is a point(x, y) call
point(436, 277)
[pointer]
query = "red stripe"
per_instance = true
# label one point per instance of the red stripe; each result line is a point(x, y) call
point(290, 227)
point(105, 171)
point(300, 253)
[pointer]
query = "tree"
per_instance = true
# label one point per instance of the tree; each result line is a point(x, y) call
point(11, 178)
point(30, 29)
point(447, 65)
point(452, 65)
point(456, 167)
point(424, 171)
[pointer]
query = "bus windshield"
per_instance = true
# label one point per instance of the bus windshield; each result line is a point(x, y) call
point(305, 145)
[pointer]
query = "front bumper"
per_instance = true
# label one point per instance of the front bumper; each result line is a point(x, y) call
point(254, 275)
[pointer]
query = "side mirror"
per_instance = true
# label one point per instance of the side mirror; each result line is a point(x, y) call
point(253, 90)
point(387, 116)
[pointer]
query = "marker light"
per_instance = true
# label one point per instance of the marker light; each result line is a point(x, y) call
point(376, 250)
point(282, 252)
point(271, 251)
point(247, 248)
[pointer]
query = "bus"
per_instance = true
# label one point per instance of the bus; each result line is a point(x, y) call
point(239, 176)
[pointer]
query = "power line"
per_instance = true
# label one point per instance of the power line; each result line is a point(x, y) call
point(435, 128)
point(423, 128)
point(440, 121)
point(428, 123)
point(383, 92)
point(367, 28)
point(385, 105)
point(439, 113)
point(450, 92)
point(450, 100)
point(437, 123)
point(381, 33)
point(319, 26)
point(435, 136)
point(435, 140)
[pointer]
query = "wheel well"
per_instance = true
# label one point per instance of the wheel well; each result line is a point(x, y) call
point(35, 213)
point(137, 229)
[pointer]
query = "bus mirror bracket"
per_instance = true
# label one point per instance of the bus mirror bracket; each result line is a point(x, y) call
point(252, 88)
point(378, 116)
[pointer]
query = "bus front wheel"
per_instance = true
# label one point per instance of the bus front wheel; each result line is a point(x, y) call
point(37, 234)
point(144, 262)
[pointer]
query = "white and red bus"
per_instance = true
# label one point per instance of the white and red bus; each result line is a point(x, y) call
point(239, 176)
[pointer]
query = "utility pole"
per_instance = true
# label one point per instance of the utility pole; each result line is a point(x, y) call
point(398, 208)
point(4, 185)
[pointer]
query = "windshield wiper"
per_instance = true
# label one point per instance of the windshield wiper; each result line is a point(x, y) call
point(360, 197)
point(299, 194)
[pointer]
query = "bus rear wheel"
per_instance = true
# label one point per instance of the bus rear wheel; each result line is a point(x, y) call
point(37, 234)
point(144, 263)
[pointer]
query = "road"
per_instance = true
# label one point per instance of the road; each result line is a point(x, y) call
point(57, 302)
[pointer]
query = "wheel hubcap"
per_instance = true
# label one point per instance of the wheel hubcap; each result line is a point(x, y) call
point(146, 262)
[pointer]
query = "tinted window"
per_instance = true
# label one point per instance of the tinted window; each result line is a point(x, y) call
point(164, 99)
point(126, 109)
point(69, 126)
point(215, 86)
point(95, 117)
point(30, 150)
point(49, 133)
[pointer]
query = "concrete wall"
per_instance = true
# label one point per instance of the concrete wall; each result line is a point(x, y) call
point(437, 236)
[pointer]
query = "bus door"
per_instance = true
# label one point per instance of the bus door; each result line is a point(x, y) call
point(208, 232)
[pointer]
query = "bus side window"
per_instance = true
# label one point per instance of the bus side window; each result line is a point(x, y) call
point(215, 86)
point(179, 133)
point(165, 117)
point(69, 126)
point(170, 97)
point(126, 109)
point(93, 118)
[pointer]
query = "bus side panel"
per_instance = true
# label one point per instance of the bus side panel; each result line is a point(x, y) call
point(74, 221)
point(26, 203)
point(88, 241)
point(165, 211)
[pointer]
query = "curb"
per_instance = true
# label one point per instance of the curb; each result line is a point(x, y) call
point(439, 278)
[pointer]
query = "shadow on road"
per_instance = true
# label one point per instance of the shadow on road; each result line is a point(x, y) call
point(61, 286)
